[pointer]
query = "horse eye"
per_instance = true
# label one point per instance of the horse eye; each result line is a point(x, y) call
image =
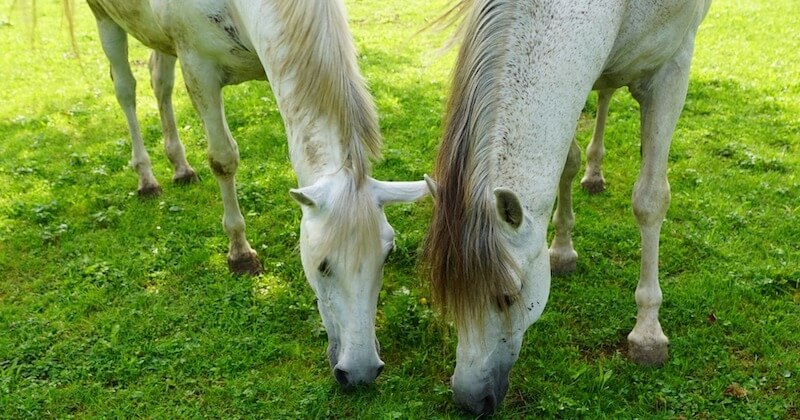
point(389, 252)
point(324, 268)
point(505, 301)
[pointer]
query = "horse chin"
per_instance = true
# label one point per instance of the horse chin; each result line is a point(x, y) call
point(485, 396)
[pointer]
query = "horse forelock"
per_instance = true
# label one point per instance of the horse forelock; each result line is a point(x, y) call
point(323, 64)
point(467, 258)
point(351, 227)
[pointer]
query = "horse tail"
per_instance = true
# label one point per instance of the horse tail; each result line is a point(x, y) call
point(69, 13)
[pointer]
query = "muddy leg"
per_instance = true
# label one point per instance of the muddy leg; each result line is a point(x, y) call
point(202, 81)
point(115, 45)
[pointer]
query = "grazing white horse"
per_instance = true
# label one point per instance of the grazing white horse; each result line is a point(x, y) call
point(305, 50)
point(523, 73)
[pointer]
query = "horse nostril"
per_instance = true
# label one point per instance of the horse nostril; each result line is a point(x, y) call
point(489, 404)
point(380, 370)
point(342, 376)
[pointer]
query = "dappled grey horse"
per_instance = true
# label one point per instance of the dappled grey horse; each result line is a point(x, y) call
point(523, 73)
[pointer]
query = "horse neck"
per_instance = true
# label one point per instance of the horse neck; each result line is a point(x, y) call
point(537, 66)
point(310, 59)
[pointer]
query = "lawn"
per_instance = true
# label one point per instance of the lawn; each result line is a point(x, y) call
point(113, 306)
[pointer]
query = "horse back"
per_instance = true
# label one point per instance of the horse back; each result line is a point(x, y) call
point(136, 17)
point(651, 34)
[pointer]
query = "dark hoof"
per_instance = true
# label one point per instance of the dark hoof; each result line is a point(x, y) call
point(564, 264)
point(150, 191)
point(593, 186)
point(187, 178)
point(245, 265)
point(563, 268)
point(654, 355)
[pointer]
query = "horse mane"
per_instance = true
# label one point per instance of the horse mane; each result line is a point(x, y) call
point(323, 47)
point(468, 262)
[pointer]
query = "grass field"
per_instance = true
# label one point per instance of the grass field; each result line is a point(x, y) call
point(111, 306)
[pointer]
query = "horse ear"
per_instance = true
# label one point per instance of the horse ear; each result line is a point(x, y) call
point(307, 196)
point(509, 209)
point(397, 192)
point(432, 186)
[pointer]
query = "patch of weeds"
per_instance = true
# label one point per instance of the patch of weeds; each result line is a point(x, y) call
point(101, 274)
point(254, 197)
point(106, 218)
point(743, 158)
point(408, 312)
point(78, 159)
point(52, 234)
point(24, 170)
point(45, 213)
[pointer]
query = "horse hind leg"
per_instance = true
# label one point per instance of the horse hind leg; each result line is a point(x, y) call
point(115, 45)
point(563, 258)
point(202, 82)
point(593, 181)
point(162, 79)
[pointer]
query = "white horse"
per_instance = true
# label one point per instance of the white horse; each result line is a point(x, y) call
point(305, 50)
point(523, 73)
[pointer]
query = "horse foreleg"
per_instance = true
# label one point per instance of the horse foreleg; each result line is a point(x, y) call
point(162, 79)
point(661, 98)
point(563, 258)
point(202, 81)
point(593, 181)
point(115, 45)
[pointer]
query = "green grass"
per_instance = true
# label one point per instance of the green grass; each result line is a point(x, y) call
point(115, 307)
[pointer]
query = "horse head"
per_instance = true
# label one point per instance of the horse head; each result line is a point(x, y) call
point(345, 240)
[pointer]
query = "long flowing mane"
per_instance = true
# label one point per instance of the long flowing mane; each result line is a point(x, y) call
point(467, 261)
point(468, 264)
point(323, 48)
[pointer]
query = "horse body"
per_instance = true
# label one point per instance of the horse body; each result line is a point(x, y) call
point(522, 76)
point(305, 50)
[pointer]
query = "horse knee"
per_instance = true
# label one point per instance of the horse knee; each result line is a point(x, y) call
point(224, 164)
point(651, 201)
point(124, 89)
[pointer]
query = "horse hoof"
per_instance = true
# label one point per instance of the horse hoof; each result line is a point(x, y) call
point(653, 353)
point(593, 185)
point(186, 178)
point(563, 265)
point(149, 191)
point(247, 264)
